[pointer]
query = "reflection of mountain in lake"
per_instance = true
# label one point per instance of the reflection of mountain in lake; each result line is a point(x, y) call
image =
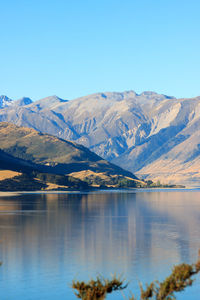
point(50, 239)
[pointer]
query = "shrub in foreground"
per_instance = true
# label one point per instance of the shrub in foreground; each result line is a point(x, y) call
point(97, 289)
point(179, 279)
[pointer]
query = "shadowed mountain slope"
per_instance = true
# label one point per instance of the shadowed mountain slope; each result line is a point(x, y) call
point(20, 175)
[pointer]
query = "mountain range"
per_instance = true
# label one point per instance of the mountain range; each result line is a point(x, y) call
point(152, 135)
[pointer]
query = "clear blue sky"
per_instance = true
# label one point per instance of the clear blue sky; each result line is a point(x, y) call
point(73, 48)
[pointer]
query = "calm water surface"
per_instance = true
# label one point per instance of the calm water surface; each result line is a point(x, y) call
point(47, 240)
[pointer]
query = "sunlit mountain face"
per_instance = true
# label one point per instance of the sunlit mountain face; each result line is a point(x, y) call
point(154, 135)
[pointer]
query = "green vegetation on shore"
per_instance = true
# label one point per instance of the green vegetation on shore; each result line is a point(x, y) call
point(33, 180)
point(151, 184)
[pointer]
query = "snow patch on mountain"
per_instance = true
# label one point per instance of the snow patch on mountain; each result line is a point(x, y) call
point(5, 101)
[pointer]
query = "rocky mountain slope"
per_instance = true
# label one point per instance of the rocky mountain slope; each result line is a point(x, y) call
point(152, 135)
point(26, 150)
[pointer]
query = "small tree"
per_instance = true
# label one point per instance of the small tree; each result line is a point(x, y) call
point(97, 289)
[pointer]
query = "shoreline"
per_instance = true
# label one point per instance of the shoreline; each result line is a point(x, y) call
point(7, 194)
point(18, 193)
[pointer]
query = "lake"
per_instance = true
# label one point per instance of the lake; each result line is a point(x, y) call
point(47, 240)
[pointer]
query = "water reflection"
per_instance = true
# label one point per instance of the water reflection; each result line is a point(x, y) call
point(46, 240)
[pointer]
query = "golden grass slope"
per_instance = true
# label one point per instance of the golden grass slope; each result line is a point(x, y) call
point(7, 174)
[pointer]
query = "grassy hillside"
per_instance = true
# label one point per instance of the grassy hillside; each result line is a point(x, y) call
point(27, 151)
point(17, 174)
